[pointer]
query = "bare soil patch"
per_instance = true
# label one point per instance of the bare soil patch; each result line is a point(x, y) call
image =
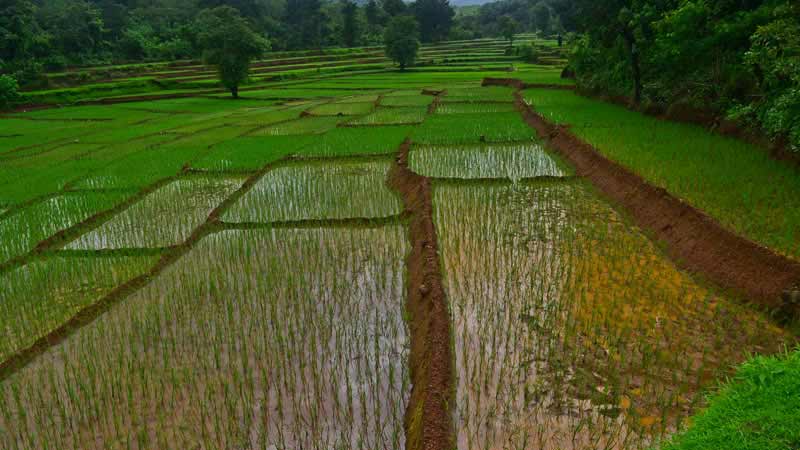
point(429, 423)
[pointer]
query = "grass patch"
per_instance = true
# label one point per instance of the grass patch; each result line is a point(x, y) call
point(757, 410)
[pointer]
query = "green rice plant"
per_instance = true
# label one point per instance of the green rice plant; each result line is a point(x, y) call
point(342, 109)
point(318, 191)
point(736, 183)
point(512, 161)
point(393, 116)
point(473, 108)
point(306, 125)
point(366, 98)
point(273, 338)
point(164, 218)
point(146, 167)
point(45, 293)
point(23, 229)
point(407, 100)
point(352, 141)
point(484, 94)
point(263, 116)
point(571, 329)
point(19, 133)
point(195, 105)
point(450, 129)
point(248, 153)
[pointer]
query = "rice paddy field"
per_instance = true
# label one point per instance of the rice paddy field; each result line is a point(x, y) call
point(207, 273)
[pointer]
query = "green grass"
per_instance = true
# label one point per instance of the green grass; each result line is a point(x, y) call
point(737, 184)
point(759, 409)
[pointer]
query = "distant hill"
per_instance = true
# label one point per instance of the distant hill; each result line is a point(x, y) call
point(469, 2)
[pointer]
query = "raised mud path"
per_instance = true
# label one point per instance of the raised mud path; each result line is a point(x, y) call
point(694, 240)
point(428, 421)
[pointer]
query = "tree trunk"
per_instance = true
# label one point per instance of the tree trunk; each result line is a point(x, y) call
point(635, 67)
point(235, 91)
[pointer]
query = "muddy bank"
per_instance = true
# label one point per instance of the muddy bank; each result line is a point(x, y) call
point(693, 240)
point(428, 421)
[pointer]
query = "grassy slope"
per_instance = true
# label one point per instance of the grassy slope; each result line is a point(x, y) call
point(738, 184)
point(759, 410)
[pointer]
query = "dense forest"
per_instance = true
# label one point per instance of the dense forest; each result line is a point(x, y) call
point(738, 59)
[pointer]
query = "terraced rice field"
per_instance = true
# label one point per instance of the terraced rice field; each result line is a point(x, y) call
point(278, 272)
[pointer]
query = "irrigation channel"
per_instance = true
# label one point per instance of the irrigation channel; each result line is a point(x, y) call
point(473, 297)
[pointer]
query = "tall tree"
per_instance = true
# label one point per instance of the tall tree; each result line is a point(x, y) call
point(305, 23)
point(351, 30)
point(509, 27)
point(394, 7)
point(402, 40)
point(76, 26)
point(435, 18)
point(373, 13)
point(230, 44)
point(21, 37)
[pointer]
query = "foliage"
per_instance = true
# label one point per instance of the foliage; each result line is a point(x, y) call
point(435, 17)
point(402, 40)
point(8, 90)
point(351, 28)
point(738, 59)
point(529, 54)
point(229, 43)
point(509, 27)
point(757, 410)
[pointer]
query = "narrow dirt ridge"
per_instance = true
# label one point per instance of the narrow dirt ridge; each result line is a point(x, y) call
point(428, 419)
point(694, 240)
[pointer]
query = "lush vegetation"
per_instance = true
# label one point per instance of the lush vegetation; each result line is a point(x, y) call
point(738, 59)
point(756, 410)
point(738, 184)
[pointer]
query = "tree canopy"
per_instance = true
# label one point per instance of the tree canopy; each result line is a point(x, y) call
point(402, 40)
point(228, 43)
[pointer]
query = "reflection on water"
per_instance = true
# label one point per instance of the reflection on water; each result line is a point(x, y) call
point(285, 338)
point(571, 329)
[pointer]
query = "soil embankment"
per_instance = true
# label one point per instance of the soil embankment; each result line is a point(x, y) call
point(693, 239)
point(429, 424)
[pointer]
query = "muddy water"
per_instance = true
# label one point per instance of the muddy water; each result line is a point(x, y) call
point(513, 161)
point(282, 339)
point(165, 217)
point(572, 330)
point(319, 191)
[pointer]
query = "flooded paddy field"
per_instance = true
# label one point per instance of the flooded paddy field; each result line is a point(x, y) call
point(239, 344)
point(571, 328)
point(376, 261)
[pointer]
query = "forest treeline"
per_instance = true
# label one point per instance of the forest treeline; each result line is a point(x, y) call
point(736, 59)
point(37, 35)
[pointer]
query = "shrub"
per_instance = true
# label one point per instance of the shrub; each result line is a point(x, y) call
point(529, 54)
point(8, 91)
